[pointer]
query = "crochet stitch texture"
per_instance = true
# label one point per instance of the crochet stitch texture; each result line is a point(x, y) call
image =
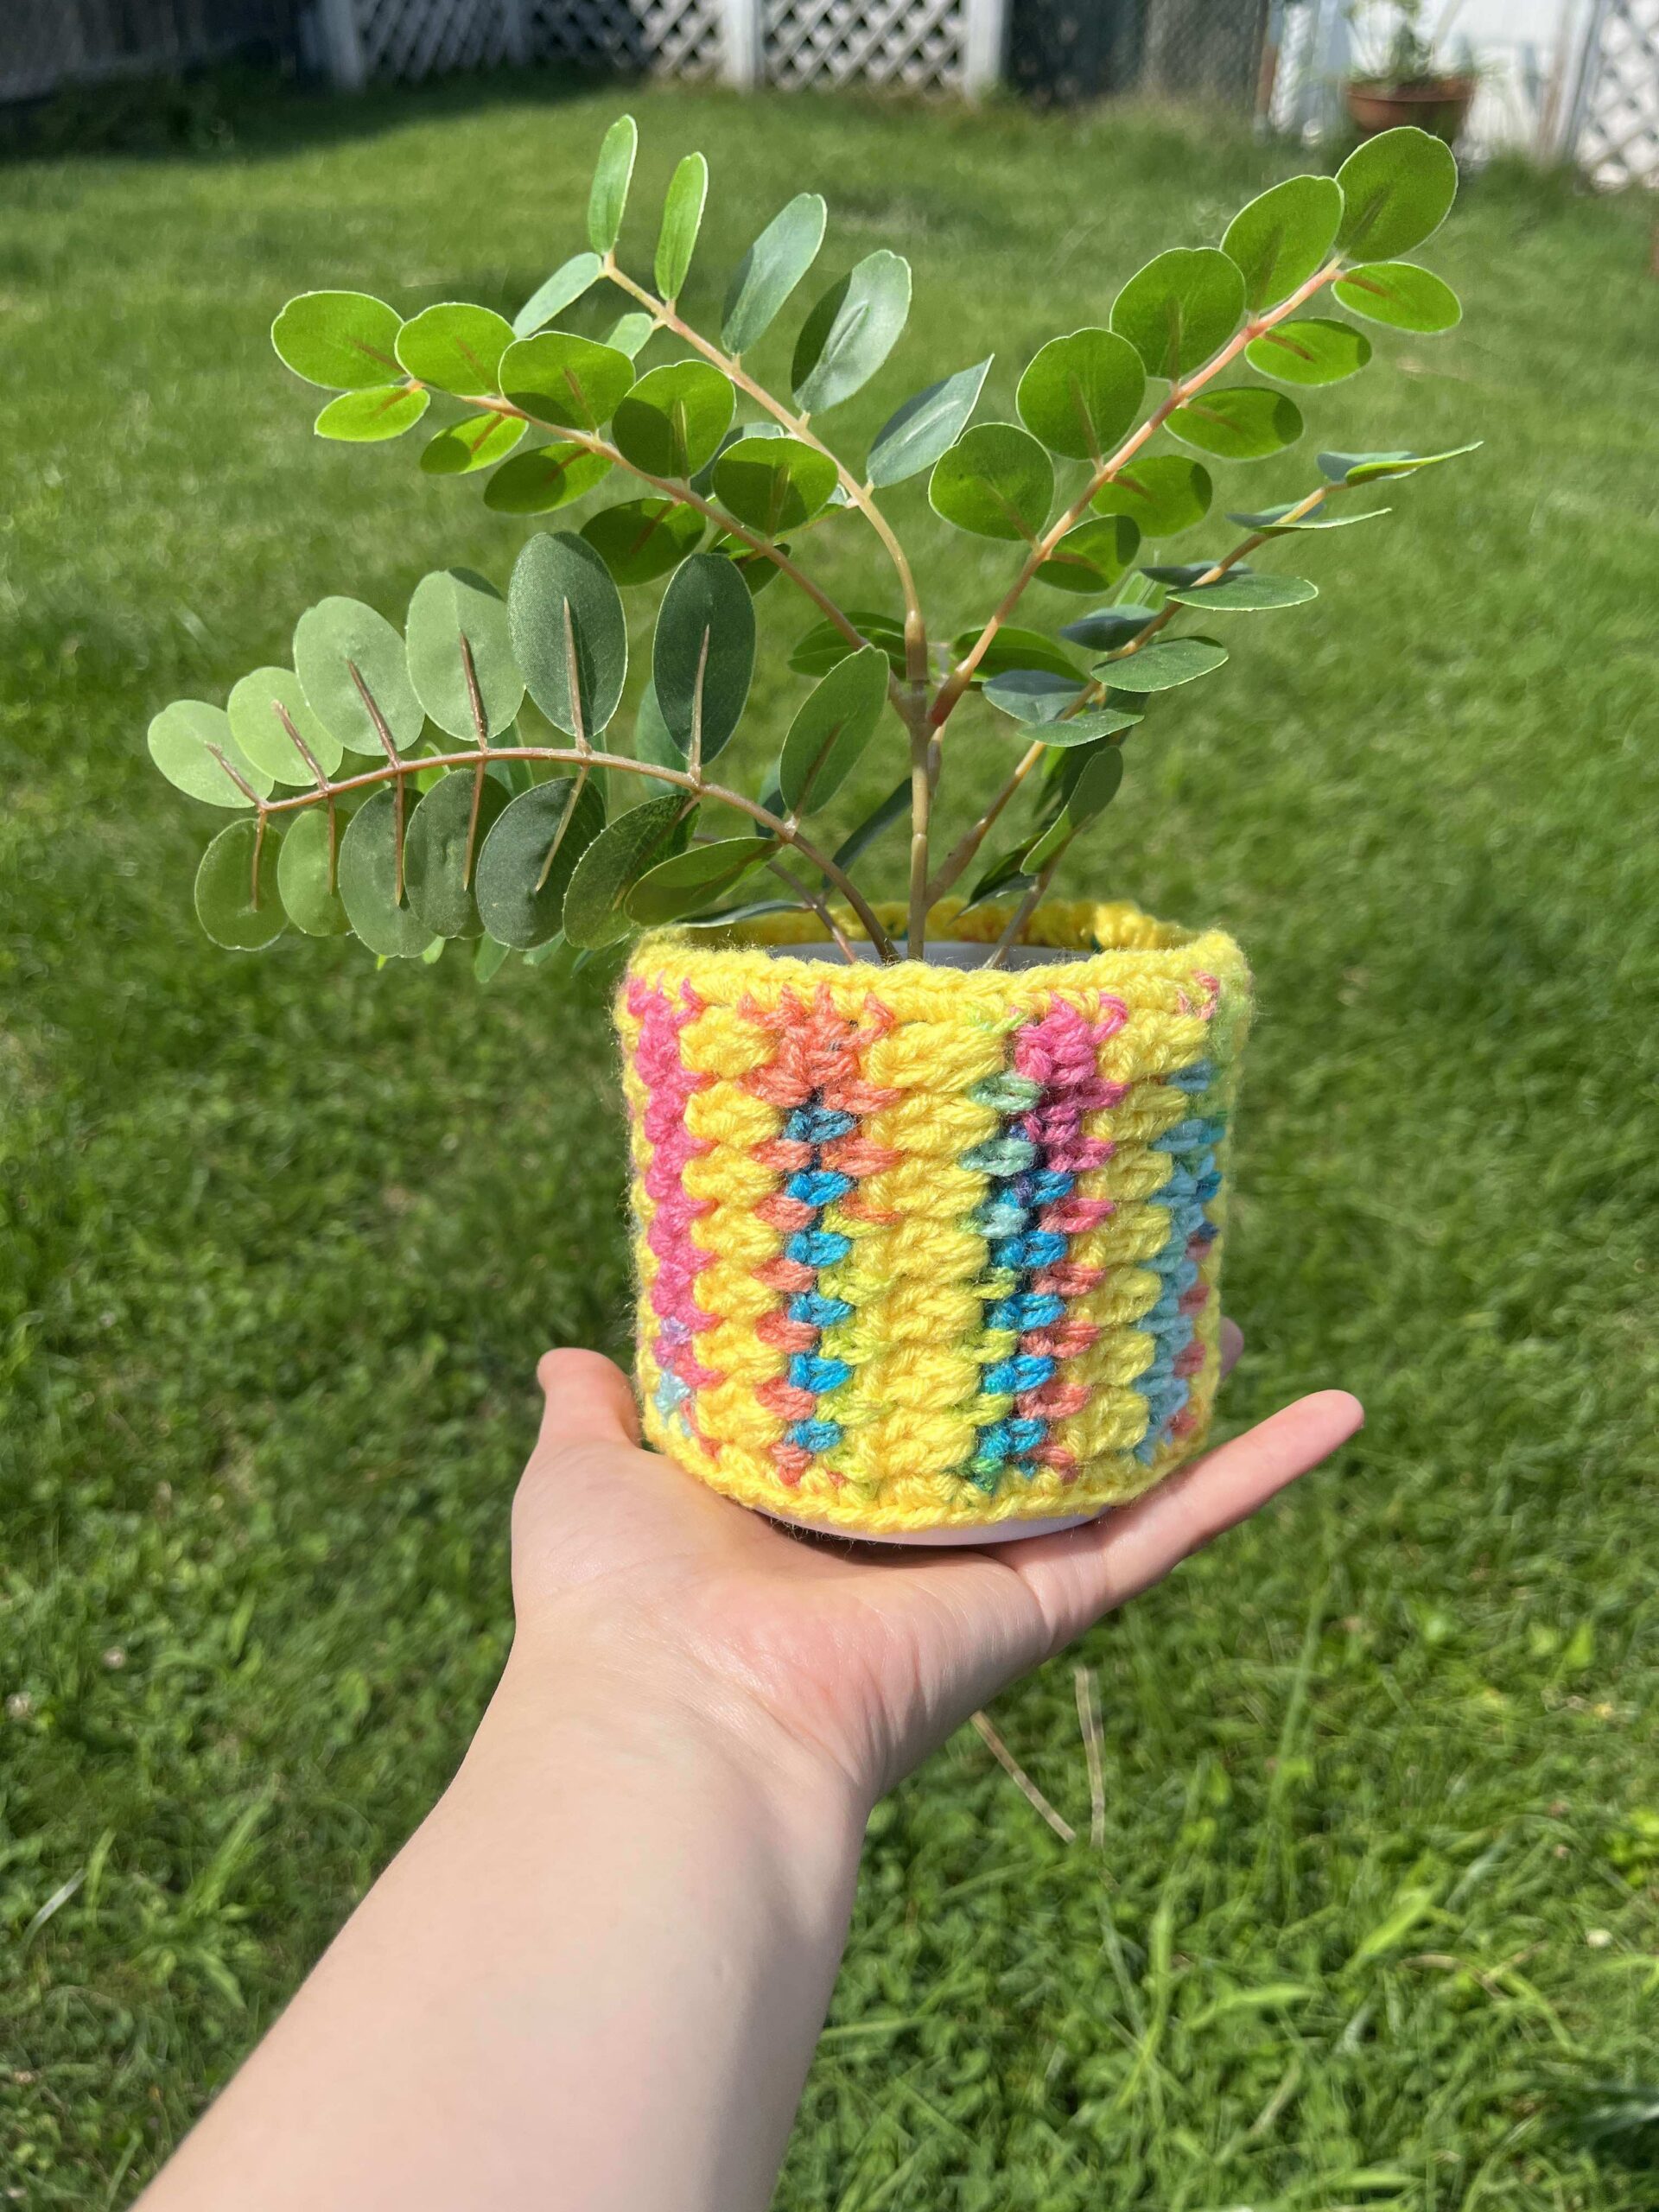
point(920, 1248)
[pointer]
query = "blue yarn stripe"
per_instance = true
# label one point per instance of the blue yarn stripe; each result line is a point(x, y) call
point(1194, 1180)
point(814, 1246)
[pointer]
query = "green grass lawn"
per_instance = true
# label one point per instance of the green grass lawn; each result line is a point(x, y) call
point(1379, 1902)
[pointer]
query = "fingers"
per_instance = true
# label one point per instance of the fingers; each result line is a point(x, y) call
point(588, 1400)
point(1078, 1576)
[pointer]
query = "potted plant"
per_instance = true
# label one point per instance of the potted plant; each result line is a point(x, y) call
point(928, 1193)
point(1407, 80)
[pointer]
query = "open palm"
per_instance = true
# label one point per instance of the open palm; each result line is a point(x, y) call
point(867, 1657)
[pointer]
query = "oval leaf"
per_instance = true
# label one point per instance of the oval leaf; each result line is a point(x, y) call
point(915, 435)
point(457, 348)
point(530, 856)
point(569, 634)
point(629, 333)
point(561, 289)
point(265, 709)
point(1246, 594)
point(368, 881)
point(995, 482)
point(183, 738)
point(1272, 522)
point(688, 880)
point(832, 730)
point(343, 340)
point(682, 220)
point(352, 665)
point(824, 645)
point(234, 913)
point(1400, 295)
point(673, 420)
point(1162, 496)
point(460, 662)
point(1163, 665)
point(1179, 309)
point(1371, 468)
point(1319, 350)
point(771, 270)
point(1081, 393)
point(702, 656)
point(593, 910)
point(305, 875)
point(1397, 189)
point(773, 483)
point(1011, 648)
point(1109, 627)
point(642, 539)
point(851, 331)
point(1093, 556)
point(561, 379)
point(535, 483)
point(446, 834)
point(1238, 422)
point(478, 442)
point(364, 418)
point(612, 176)
point(1282, 237)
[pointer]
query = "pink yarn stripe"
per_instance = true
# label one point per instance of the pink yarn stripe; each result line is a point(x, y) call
point(669, 1085)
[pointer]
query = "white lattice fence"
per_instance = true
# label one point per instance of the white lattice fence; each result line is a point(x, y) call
point(920, 44)
point(1614, 129)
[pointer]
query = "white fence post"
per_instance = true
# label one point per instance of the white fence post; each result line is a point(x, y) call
point(985, 46)
point(343, 44)
point(741, 62)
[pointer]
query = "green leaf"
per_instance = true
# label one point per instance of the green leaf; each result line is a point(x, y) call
point(1162, 665)
point(702, 656)
point(1371, 468)
point(996, 482)
point(751, 562)
point(850, 331)
point(1272, 520)
point(343, 650)
point(488, 959)
point(1179, 309)
point(561, 289)
point(457, 348)
point(642, 539)
point(1109, 627)
point(1397, 189)
point(1245, 594)
point(263, 732)
point(1011, 648)
point(569, 634)
point(863, 834)
point(1162, 496)
point(773, 483)
point(1400, 295)
point(689, 879)
point(914, 435)
point(771, 270)
point(181, 741)
point(1238, 422)
point(343, 340)
point(478, 442)
point(530, 857)
point(1319, 350)
point(228, 906)
point(1006, 874)
point(1080, 394)
point(1093, 556)
point(682, 220)
point(1092, 781)
point(611, 177)
point(446, 834)
point(672, 423)
point(368, 879)
point(304, 876)
point(595, 914)
point(551, 476)
point(1041, 699)
point(559, 378)
point(455, 618)
point(362, 418)
point(824, 645)
point(629, 332)
point(1283, 236)
point(830, 732)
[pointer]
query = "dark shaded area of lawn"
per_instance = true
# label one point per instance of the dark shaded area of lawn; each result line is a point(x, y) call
point(282, 1237)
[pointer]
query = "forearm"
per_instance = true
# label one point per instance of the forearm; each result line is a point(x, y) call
point(593, 1978)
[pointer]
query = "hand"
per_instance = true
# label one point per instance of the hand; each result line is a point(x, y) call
point(865, 1656)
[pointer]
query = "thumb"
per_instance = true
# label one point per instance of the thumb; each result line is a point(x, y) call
point(588, 1400)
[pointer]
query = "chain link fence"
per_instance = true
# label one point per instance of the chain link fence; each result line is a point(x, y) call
point(1069, 50)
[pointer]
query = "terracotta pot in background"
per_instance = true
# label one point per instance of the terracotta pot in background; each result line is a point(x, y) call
point(1438, 104)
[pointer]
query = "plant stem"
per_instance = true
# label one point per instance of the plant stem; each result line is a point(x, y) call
point(1027, 907)
point(820, 907)
point(585, 757)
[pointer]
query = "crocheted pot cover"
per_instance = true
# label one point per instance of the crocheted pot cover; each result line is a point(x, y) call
point(922, 1248)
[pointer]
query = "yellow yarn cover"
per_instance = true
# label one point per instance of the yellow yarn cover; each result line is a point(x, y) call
point(920, 1248)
